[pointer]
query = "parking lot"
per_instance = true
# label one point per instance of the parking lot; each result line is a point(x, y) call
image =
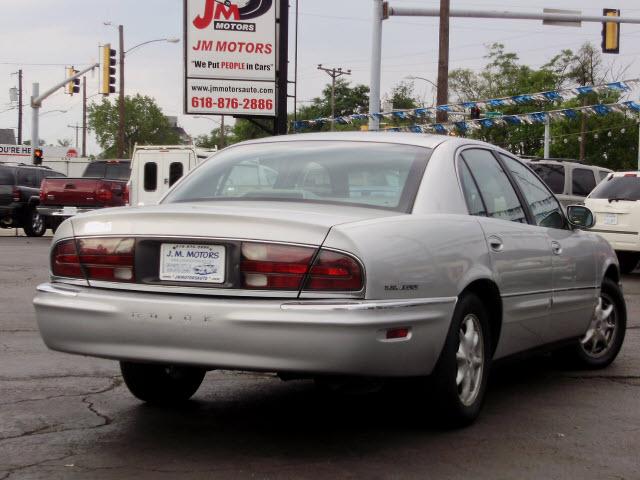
point(66, 416)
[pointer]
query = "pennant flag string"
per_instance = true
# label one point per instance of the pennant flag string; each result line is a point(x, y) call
point(550, 96)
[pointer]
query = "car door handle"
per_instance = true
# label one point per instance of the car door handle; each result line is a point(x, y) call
point(556, 248)
point(496, 243)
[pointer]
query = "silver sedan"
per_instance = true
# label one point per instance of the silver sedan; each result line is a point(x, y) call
point(337, 255)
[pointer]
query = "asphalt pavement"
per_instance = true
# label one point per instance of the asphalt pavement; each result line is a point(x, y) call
point(71, 417)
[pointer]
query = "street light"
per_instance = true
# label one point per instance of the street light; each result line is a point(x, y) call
point(53, 111)
point(220, 123)
point(121, 114)
point(435, 87)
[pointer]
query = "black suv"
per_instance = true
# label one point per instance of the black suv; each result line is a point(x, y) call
point(19, 196)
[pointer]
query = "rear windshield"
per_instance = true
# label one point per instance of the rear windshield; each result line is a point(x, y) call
point(108, 170)
point(552, 175)
point(622, 188)
point(377, 175)
point(6, 176)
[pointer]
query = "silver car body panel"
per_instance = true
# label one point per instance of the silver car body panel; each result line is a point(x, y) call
point(417, 264)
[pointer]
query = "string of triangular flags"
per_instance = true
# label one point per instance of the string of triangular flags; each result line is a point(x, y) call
point(520, 119)
point(550, 96)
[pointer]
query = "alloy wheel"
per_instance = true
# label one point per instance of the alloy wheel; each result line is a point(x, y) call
point(470, 359)
point(603, 328)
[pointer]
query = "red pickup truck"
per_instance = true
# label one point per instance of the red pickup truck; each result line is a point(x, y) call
point(103, 184)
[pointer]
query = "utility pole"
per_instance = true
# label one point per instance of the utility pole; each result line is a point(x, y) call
point(443, 60)
point(120, 141)
point(84, 117)
point(76, 127)
point(333, 73)
point(222, 139)
point(20, 107)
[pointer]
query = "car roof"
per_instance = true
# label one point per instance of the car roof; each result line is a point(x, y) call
point(405, 138)
point(560, 161)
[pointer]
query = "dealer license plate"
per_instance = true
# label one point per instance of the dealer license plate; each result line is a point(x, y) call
point(192, 263)
point(610, 219)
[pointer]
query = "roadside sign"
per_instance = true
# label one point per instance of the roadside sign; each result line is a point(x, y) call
point(16, 153)
point(230, 57)
point(559, 23)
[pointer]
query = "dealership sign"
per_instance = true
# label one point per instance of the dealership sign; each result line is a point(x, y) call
point(230, 57)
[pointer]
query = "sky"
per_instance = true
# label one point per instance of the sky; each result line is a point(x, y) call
point(42, 37)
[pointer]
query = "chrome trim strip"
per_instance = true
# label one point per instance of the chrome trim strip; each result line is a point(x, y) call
point(540, 292)
point(612, 231)
point(366, 304)
point(59, 290)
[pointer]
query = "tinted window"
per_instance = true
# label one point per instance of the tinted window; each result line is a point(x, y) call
point(624, 188)
point(603, 174)
point(552, 175)
point(471, 192)
point(49, 173)
point(28, 177)
point(545, 208)
point(150, 176)
point(6, 176)
point(117, 171)
point(176, 170)
point(358, 173)
point(95, 169)
point(583, 181)
point(499, 196)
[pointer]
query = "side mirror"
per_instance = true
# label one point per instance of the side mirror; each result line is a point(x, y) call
point(580, 216)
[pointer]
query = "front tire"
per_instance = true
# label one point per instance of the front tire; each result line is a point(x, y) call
point(602, 342)
point(161, 384)
point(460, 376)
point(35, 225)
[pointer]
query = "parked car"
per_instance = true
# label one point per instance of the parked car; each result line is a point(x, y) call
point(155, 168)
point(570, 181)
point(19, 190)
point(102, 185)
point(614, 203)
point(352, 255)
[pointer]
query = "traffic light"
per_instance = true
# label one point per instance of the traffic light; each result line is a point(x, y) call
point(73, 86)
point(475, 113)
point(108, 61)
point(610, 32)
point(37, 156)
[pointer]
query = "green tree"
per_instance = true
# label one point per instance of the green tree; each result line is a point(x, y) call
point(213, 139)
point(145, 124)
point(64, 142)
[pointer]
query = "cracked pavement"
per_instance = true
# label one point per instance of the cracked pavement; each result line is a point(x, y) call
point(71, 417)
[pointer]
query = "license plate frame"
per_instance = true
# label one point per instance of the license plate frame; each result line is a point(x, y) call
point(198, 263)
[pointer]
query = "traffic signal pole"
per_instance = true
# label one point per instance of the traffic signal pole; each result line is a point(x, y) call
point(37, 99)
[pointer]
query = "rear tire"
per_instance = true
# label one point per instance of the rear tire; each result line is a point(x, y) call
point(161, 384)
point(602, 342)
point(628, 261)
point(460, 376)
point(35, 225)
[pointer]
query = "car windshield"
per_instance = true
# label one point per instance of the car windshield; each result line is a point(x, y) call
point(626, 187)
point(378, 175)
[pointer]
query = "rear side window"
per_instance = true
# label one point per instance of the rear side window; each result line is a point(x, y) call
point(6, 176)
point(28, 177)
point(603, 174)
point(150, 176)
point(583, 181)
point(496, 189)
point(471, 192)
point(176, 170)
point(552, 175)
point(621, 188)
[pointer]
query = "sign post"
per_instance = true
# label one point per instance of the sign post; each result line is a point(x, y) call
point(235, 64)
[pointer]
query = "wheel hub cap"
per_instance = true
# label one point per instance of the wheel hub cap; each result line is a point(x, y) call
point(470, 359)
point(602, 330)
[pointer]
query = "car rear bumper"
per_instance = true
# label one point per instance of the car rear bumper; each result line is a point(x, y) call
point(342, 337)
point(63, 213)
point(619, 240)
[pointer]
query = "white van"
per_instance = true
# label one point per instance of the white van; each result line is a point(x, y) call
point(155, 168)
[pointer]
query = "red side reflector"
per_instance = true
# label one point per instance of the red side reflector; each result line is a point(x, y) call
point(396, 333)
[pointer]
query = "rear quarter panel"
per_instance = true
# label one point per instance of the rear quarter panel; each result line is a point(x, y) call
point(416, 256)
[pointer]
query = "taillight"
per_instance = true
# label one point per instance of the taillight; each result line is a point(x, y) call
point(285, 267)
point(104, 194)
point(15, 194)
point(125, 194)
point(109, 259)
point(268, 266)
